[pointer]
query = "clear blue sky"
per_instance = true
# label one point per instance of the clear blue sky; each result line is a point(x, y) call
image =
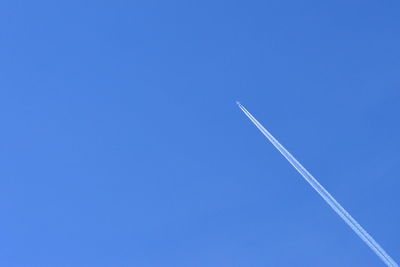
point(121, 144)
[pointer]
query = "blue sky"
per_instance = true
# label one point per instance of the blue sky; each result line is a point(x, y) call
point(121, 144)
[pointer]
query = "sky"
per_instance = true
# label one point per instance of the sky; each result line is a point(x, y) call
point(121, 143)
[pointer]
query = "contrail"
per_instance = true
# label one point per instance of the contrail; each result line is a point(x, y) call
point(325, 194)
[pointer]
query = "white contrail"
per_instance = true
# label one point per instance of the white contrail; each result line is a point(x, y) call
point(325, 194)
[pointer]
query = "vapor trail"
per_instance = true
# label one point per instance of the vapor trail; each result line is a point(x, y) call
point(325, 194)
